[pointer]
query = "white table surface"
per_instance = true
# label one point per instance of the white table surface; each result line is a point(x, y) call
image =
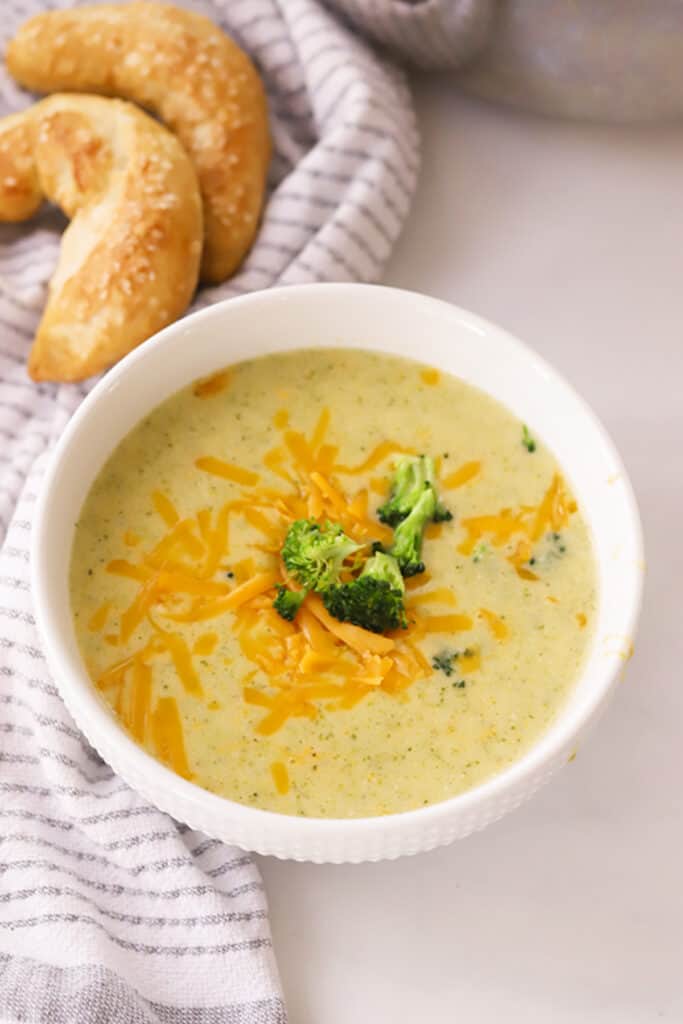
point(570, 909)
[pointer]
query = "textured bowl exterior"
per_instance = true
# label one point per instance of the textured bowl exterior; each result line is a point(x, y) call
point(391, 321)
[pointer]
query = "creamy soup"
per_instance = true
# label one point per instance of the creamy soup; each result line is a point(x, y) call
point(176, 562)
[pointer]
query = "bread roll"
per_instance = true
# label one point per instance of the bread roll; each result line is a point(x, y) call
point(129, 260)
point(181, 66)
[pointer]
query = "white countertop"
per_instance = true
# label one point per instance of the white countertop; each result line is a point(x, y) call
point(570, 909)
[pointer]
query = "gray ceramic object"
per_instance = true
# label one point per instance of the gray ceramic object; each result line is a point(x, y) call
point(619, 60)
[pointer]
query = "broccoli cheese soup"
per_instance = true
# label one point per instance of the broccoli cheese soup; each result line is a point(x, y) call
point(333, 583)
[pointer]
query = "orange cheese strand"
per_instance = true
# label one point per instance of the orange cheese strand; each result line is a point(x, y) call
point(261, 523)
point(98, 619)
point(373, 671)
point(256, 698)
point(135, 613)
point(325, 458)
point(359, 506)
point(319, 691)
point(441, 595)
point(203, 518)
point(469, 660)
point(313, 661)
point(498, 627)
point(119, 567)
point(520, 555)
point(315, 502)
point(178, 536)
point(354, 694)
point(217, 542)
point(525, 574)
point(278, 716)
point(552, 513)
point(319, 638)
point(554, 510)
point(377, 455)
point(418, 657)
point(167, 735)
point(114, 675)
point(461, 476)
point(244, 569)
point(360, 640)
point(257, 585)
point(320, 430)
point(178, 582)
point(225, 470)
point(205, 644)
point(430, 376)
point(415, 582)
point(273, 460)
point(213, 385)
point(182, 660)
point(329, 492)
point(141, 683)
point(280, 777)
point(444, 623)
point(433, 530)
point(300, 451)
point(165, 507)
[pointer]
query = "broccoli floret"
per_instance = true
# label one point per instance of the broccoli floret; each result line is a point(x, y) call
point(527, 440)
point(407, 546)
point(443, 662)
point(412, 475)
point(407, 485)
point(288, 602)
point(314, 554)
point(374, 600)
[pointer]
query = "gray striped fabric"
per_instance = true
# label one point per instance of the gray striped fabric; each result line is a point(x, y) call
point(109, 910)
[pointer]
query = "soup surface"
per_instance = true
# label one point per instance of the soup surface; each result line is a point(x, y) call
point(176, 561)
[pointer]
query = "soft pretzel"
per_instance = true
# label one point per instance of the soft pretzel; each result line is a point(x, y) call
point(129, 260)
point(181, 66)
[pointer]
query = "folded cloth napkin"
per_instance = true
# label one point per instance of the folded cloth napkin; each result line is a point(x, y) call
point(109, 910)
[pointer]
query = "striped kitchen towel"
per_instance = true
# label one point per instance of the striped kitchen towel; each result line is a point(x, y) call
point(109, 910)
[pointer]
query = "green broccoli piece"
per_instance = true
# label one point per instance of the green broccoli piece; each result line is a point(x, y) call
point(288, 602)
point(407, 546)
point(314, 554)
point(527, 440)
point(374, 600)
point(443, 662)
point(412, 475)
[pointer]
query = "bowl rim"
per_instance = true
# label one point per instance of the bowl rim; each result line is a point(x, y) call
point(90, 713)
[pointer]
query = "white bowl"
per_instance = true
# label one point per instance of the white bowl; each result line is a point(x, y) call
point(356, 316)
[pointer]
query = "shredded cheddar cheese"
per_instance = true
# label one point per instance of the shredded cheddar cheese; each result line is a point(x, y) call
point(462, 475)
point(167, 735)
point(498, 627)
point(213, 385)
point(280, 777)
point(165, 508)
point(218, 467)
point(302, 667)
point(430, 376)
point(98, 620)
point(527, 523)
